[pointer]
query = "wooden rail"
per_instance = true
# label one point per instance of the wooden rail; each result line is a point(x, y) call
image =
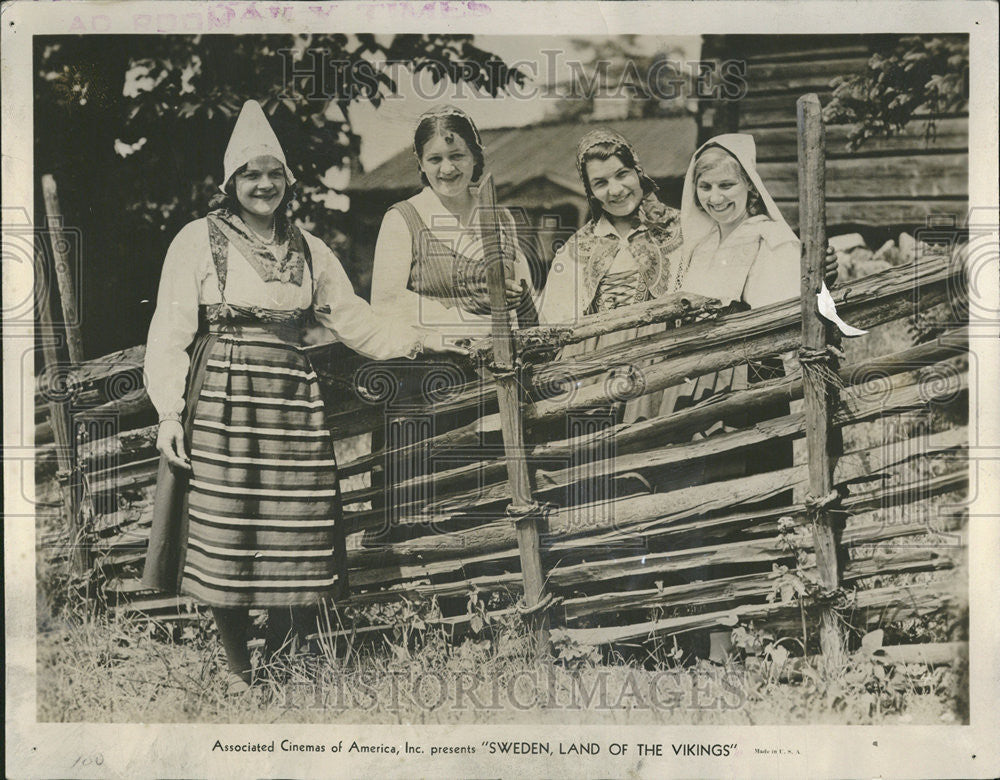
point(674, 549)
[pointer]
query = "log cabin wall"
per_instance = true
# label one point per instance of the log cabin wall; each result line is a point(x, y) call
point(893, 184)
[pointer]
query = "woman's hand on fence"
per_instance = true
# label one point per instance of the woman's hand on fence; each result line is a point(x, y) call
point(831, 267)
point(448, 345)
point(170, 443)
point(514, 292)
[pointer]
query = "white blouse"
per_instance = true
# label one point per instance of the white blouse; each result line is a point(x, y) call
point(757, 264)
point(188, 279)
point(394, 260)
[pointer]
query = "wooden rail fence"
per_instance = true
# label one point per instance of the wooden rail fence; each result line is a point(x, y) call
point(622, 531)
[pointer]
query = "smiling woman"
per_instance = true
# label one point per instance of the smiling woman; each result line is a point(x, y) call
point(247, 509)
point(259, 188)
point(741, 249)
point(616, 185)
point(430, 263)
point(723, 189)
point(430, 269)
point(628, 252)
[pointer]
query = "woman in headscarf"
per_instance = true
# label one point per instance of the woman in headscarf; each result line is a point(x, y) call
point(430, 269)
point(742, 252)
point(628, 252)
point(247, 512)
point(739, 247)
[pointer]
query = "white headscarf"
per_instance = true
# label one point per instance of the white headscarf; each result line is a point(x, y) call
point(724, 276)
point(696, 224)
point(252, 137)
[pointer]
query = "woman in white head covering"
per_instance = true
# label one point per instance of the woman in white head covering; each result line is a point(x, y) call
point(741, 251)
point(247, 512)
point(739, 247)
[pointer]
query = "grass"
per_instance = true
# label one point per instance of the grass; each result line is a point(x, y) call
point(105, 668)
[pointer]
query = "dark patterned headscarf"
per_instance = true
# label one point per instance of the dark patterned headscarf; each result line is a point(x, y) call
point(651, 210)
point(656, 248)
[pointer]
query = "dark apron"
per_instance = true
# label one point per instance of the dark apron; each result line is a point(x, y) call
point(168, 535)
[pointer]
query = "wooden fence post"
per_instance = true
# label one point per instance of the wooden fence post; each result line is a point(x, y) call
point(61, 419)
point(63, 270)
point(820, 400)
point(506, 368)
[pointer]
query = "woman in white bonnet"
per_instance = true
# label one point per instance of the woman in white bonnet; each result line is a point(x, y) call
point(247, 512)
point(741, 251)
point(739, 248)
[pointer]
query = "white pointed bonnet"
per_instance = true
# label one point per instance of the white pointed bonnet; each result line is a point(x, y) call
point(252, 137)
point(696, 224)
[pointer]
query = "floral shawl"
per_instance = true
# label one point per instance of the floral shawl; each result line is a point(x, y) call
point(654, 246)
point(580, 265)
point(282, 261)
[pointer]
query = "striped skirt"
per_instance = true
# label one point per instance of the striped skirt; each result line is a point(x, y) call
point(263, 507)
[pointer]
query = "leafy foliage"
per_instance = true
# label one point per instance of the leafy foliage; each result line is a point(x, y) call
point(134, 129)
point(166, 104)
point(916, 75)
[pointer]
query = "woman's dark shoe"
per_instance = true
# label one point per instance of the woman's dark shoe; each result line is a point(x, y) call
point(236, 685)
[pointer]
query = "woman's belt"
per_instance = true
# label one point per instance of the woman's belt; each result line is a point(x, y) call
point(224, 318)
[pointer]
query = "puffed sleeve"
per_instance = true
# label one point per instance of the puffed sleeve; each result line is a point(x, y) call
point(175, 320)
point(558, 301)
point(351, 319)
point(774, 275)
point(391, 274)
